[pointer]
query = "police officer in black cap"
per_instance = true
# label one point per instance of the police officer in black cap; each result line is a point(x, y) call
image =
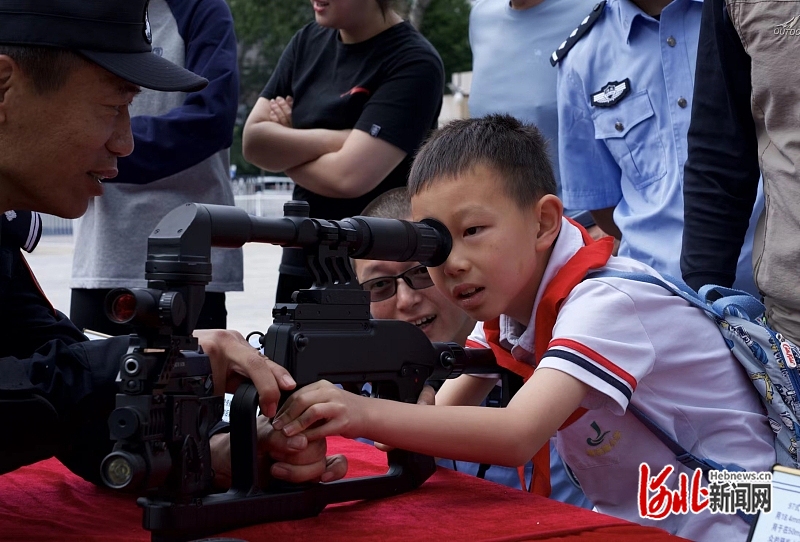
point(69, 69)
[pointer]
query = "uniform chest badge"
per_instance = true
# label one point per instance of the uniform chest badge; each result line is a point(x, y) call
point(602, 442)
point(612, 93)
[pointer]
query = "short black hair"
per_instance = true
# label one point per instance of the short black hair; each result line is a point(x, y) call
point(393, 203)
point(517, 151)
point(48, 67)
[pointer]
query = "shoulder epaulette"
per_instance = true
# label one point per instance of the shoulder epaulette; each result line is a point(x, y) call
point(577, 34)
point(20, 229)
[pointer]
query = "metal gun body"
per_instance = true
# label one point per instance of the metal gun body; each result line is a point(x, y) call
point(166, 406)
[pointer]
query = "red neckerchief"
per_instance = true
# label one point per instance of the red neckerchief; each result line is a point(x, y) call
point(593, 255)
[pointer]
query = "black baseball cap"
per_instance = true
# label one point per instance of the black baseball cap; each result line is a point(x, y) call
point(115, 34)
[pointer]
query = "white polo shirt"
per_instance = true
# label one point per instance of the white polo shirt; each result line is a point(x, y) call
point(621, 336)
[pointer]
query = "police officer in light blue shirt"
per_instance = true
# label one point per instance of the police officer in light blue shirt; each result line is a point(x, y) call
point(625, 86)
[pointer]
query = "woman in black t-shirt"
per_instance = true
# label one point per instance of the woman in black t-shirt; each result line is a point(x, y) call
point(352, 98)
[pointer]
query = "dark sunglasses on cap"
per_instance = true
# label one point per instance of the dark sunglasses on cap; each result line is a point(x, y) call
point(383, 288)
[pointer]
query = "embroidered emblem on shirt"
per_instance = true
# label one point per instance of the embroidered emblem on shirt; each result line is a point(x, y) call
point(599, 444)
point(148, 35)
point(10, 215)
point(612, 93)
point(356, 90)
point(790, 27)
point(375, 130)
point(599, 438)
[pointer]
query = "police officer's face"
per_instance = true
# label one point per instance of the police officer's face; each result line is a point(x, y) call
point(58, 146)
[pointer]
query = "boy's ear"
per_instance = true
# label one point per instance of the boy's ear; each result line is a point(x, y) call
point(549, 210)
point(7, 68)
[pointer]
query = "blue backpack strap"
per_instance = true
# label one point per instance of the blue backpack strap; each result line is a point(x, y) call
point(732, 301)
point(720, 291)
point(743, 306)
point(681, 454)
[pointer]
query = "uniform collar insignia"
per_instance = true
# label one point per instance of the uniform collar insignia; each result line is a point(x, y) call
point(612, 93)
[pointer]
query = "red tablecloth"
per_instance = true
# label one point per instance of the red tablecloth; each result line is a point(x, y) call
point(47, 502)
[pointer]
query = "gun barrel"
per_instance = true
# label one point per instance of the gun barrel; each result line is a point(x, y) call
point(454, 360)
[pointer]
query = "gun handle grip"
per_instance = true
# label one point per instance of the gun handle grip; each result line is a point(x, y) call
point(244, 439)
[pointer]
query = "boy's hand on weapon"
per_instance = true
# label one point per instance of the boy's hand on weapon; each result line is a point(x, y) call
point(293, 459)
point(320, 410)
point(233, 359)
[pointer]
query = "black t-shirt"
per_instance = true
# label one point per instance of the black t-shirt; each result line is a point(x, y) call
point(389, 86)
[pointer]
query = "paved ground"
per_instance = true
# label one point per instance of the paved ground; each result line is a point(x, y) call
point(250, 310)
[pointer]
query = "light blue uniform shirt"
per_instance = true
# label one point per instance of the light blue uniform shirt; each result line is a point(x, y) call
point(511, 71)
point(630, 154)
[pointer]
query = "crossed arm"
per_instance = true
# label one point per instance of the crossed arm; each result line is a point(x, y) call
point(331, 163)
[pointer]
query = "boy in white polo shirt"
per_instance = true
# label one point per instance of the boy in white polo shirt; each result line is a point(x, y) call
point(413, 299)
point(586, 347)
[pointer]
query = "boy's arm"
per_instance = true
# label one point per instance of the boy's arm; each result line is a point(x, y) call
point(466, 390)
point(499, 436)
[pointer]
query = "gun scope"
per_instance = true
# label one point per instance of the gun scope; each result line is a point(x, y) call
point(177, 236)
point(145, 306)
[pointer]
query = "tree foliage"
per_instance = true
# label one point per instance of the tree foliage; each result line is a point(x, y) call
point(445, 24)
point(264, 28)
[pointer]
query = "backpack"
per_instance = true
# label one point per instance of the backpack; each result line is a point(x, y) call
point(771, 362)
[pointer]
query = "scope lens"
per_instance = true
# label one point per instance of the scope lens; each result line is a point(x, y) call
point(123, 307)
point(118, 472)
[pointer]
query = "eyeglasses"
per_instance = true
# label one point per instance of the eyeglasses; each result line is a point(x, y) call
point(383, 288)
